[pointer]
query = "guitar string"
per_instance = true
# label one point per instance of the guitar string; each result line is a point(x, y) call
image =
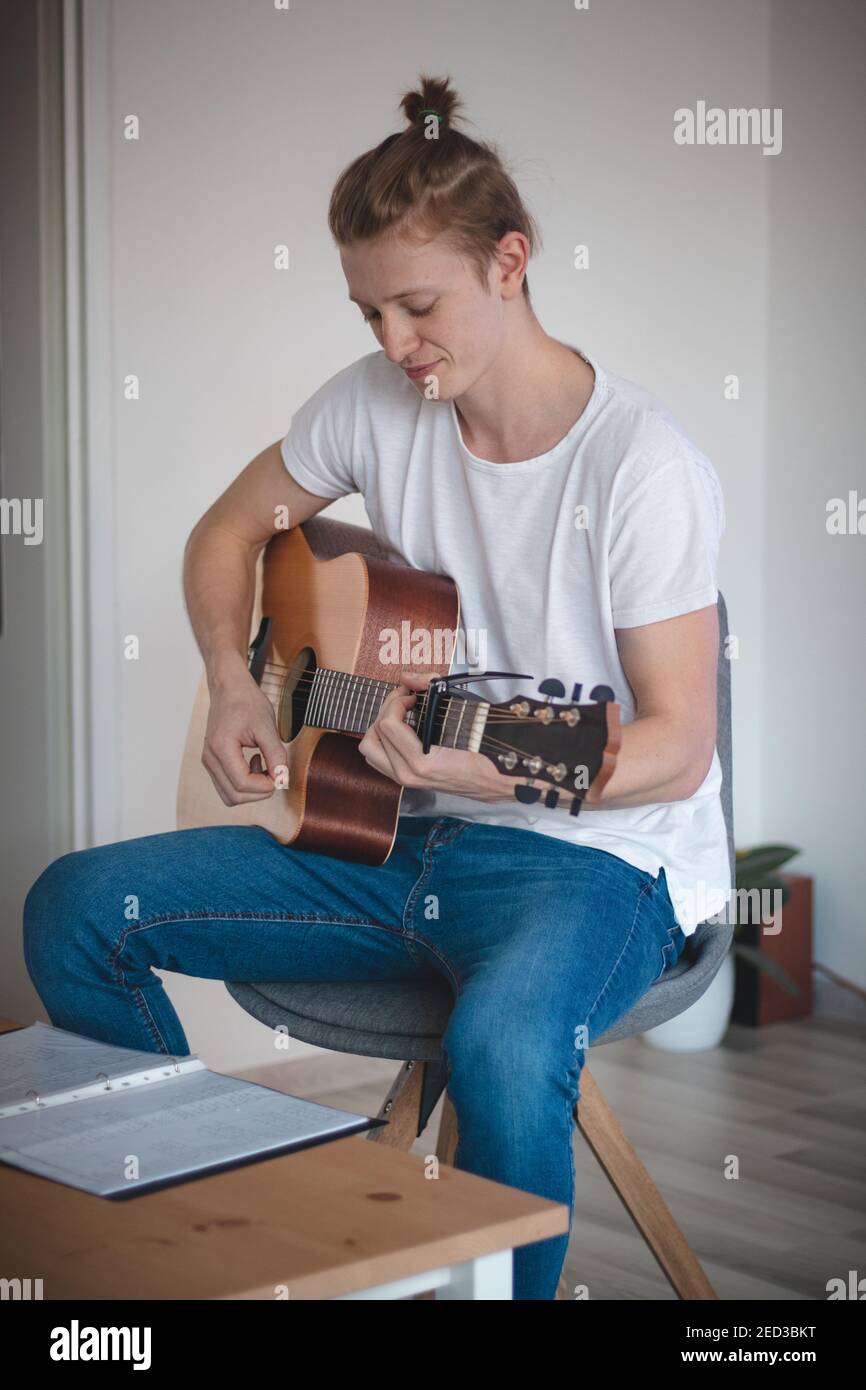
point(493, 744)
point(497, 744)
point(272, 671)
point(487, 741)
point(273, 667)
point(500, 716)
point(527, 782)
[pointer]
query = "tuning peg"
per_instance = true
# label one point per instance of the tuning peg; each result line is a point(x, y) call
point(575, 693)
point(552, 688)
point(552, 797)
point(601, 692)
point(574, 808)
point(526, 794)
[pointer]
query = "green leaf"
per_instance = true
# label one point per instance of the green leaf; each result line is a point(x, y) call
point(771, 967)
point(764, 859)
point(768, 884)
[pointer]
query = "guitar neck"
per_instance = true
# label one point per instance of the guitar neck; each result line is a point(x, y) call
point(566, 745)
point(350, 704)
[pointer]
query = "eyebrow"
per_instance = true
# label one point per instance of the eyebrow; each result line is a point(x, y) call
point(402, 295)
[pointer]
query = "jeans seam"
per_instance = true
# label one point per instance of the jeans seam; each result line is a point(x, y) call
point(409, 934)
point(440, 955)
point(452, 832)
point(426, 867)
point(203, 915)
point(196, 913)
point(148, 1018)
point(642, 895)
point(666, 946)
point(570, 1108)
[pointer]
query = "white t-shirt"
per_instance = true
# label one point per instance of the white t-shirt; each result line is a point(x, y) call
point(545, 581)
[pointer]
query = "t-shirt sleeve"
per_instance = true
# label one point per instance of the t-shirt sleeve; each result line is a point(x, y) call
point(664, 544)
point(318, 450)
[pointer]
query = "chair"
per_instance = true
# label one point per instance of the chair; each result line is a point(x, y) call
point(405, 1020)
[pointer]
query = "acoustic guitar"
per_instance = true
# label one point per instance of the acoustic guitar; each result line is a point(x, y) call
point(319, 656)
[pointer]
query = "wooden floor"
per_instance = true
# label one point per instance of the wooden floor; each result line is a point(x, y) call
point(787, 1102)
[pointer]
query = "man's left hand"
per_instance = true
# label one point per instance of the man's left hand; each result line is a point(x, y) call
point(394, 749)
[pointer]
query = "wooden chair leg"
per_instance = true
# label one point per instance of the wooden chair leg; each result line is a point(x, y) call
point(639, 1194)
point(401, 1108)
point(619, 1161)
point(446, 1146)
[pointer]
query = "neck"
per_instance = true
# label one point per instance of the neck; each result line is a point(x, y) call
point(528, 398)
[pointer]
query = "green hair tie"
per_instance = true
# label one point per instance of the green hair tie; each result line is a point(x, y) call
point(429, 112)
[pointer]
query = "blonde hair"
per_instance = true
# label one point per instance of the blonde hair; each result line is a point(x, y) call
point(422, 187)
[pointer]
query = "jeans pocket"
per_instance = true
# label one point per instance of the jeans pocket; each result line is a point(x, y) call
point(673, 946)
point(667, 956)
point(672, 949)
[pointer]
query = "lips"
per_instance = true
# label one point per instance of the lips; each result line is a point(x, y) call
point(424, 367)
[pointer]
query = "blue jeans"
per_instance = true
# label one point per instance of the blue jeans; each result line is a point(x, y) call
point(544, 943)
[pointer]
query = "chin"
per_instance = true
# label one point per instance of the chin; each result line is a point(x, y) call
point(421, 387)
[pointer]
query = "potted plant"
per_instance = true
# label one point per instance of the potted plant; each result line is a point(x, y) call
point(704, 1023)
point(773, 980)
point(757, 869)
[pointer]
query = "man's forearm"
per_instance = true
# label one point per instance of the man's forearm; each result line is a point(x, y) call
point(219, 588)
point(658, 760)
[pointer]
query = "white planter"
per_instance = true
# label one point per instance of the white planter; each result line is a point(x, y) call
point(704, 1024)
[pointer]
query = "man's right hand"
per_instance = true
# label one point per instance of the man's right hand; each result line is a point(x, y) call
point(219, 568)
point(241, 716)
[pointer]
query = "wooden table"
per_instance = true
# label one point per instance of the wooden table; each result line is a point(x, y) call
point(347, 1219)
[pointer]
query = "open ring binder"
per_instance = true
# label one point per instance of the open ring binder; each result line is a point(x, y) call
point(118, 1122)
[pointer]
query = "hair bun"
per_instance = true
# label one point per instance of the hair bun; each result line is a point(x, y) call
point(417, 188)
point(434, 94)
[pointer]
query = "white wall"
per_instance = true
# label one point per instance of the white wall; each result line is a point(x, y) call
point(814, 734)
point(247, 116)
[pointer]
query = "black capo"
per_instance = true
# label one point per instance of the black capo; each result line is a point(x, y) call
point(438, 687)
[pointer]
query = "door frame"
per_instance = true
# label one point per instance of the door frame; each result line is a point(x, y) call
point(94, 628)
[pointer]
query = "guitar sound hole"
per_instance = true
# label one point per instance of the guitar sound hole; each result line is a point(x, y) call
point(295, 695)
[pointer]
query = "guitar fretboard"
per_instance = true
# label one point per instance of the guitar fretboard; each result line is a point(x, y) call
point(349, 704)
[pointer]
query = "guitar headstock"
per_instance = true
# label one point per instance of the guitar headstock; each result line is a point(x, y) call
point(567, 746)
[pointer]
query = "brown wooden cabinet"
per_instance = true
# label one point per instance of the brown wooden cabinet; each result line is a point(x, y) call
point(757, 997)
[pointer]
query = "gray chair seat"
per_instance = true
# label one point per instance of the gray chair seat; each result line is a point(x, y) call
point(403, 1019)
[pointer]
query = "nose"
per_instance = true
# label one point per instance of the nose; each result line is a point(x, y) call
point(399, 340)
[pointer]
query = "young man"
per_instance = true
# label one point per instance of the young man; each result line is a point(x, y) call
point(581, 527)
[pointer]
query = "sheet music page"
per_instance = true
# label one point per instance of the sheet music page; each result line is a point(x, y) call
point(49, 1060)
point(130, 1140)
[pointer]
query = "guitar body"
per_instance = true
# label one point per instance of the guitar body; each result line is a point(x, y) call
point(331, 611)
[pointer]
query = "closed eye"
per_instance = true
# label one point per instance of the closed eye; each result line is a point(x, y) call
point(414, 313)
